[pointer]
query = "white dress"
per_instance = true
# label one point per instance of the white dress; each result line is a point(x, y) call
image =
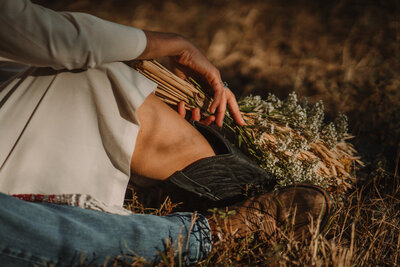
point(68, 124)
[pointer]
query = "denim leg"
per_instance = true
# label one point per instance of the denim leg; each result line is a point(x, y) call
point(36, 233)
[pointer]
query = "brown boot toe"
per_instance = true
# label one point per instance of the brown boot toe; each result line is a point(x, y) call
point(258, 214)
point(253, 216)
point(301, 204)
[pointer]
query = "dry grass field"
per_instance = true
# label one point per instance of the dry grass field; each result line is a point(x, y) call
point(346, 53)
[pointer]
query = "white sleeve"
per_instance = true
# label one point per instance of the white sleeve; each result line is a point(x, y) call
point(38, 36)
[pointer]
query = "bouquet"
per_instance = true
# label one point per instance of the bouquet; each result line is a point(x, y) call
point(288, 138)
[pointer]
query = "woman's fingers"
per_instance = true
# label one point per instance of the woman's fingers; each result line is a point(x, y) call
point(218, 106)
point(219, 119)
point(182, 109)
point(228, 98)
point(214, 79)
point(234, 107)
point(209, 120)
point(195, 114)
point(222, 97)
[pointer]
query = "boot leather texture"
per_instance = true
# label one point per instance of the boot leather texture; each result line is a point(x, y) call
point(226, 175)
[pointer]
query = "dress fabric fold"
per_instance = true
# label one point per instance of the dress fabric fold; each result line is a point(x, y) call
point(70, 132)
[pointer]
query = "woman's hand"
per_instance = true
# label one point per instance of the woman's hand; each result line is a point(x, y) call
point(192, 60)
point(186, 60)
point(195, 114)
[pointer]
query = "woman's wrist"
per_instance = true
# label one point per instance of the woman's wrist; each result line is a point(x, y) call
point(160, 44)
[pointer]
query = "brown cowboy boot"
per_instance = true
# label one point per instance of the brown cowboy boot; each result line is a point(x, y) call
point(301, 204)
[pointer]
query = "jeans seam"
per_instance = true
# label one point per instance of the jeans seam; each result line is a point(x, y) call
point(37, 260)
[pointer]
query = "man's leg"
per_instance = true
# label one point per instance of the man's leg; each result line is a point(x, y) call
point(166, 142)
point(33, 233)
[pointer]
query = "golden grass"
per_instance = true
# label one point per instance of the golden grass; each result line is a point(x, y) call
point(364, 230)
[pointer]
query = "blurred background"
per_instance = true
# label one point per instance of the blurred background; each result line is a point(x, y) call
point(345, 52)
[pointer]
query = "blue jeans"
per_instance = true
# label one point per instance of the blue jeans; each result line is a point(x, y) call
point(40, 233)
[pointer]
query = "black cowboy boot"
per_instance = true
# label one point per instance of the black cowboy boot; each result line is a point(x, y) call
point(229, 174)
point(226, 178)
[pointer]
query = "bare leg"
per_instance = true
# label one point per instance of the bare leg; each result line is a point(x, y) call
point(166, 142)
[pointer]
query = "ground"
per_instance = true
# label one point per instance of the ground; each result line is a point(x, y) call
point(346, 53)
